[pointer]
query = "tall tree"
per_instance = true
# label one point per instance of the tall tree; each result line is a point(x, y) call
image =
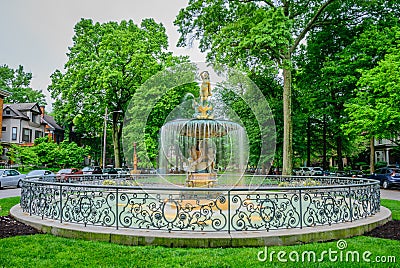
point(17, 82)
point(329, 72)
point(324, 86)
point(257, 34)
point(106, 64)
point(232, 94)
point(374, 112)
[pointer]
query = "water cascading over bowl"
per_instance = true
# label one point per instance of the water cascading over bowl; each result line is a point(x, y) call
point(221, 144)
point(202, 146)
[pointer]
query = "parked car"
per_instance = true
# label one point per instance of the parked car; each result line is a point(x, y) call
point(316, 171)
point(328, 173)
point(309, 171)
point(92, 170)
point(110, 170)
point(122, 170)
point(387, 177)
point(10, 177)
point(355, 174)
point(303, 171)
point(42, 174)
point(87, 170)
point(67, 173)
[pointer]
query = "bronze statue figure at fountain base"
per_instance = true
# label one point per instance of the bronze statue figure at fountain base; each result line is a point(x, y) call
point(201, 165)
point(202, 156)
point(201, 180)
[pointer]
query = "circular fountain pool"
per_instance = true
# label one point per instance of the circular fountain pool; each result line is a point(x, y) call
point(261, 211)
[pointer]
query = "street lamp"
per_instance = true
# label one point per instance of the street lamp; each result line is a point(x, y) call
point(105, 134)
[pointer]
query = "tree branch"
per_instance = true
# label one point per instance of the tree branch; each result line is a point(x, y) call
point(297, 14)
point(268, 2)
point(310, 25)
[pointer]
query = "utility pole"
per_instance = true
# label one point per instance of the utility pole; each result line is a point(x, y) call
point(104, 138)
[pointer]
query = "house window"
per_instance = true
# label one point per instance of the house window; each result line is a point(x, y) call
point(35, 118)
point(8, 112)
point(14, 134)
point(26, 135)
point(4, 129)
point(38, 134)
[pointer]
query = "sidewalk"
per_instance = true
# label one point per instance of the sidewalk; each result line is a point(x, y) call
point(390, 194)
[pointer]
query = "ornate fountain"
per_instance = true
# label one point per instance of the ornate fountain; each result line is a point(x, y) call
point(151, 209)
point(203, 145)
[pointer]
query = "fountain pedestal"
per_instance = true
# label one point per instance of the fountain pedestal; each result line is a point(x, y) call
point(198, 141)
point(201, 180)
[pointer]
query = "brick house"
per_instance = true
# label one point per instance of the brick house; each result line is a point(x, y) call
point(3, 94)
point(22, 123)
point(52, 129)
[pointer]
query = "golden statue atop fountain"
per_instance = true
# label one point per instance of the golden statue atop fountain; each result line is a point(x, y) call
point(201, 162)
point(204, 107)
point(205, 89)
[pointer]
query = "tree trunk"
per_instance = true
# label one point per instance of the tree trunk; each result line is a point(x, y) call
point(339, 152)
point(309, 142)
point(116, 136)
point(324, 162)
point(287, 121)
point(372, 155)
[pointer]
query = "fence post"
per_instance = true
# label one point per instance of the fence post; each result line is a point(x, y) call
point(351, 205)
point(30, 199)
point(61, 204)
point(229, 211)
point(301, 211)
point(116, 207)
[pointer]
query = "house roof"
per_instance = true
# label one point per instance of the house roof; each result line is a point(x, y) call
point(23, 106)
point(15, 110)
point(4, 93)
point(19, 110)
point(51, 122)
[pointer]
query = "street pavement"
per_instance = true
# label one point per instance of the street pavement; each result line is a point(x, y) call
point(10, 192)
point(390, 194)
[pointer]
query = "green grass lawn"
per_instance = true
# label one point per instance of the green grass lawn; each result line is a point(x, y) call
point(7, 203)
point(394, 206)
point(50, 251)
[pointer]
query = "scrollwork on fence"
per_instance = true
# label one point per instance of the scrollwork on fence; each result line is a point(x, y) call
point(207, 210)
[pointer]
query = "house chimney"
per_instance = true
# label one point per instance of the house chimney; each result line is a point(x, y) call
point(42, 110)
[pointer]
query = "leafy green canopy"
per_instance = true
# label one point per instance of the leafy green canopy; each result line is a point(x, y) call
point(159, 115)
point(376, 109)
point(258, 36)
point(329, 70)
point(47, 153)
point(17, 83)
point(106, 64)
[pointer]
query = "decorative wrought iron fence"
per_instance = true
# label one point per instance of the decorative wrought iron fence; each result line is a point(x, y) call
point(278, 203)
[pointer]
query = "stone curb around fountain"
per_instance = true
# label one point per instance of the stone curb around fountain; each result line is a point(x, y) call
point(204, 239)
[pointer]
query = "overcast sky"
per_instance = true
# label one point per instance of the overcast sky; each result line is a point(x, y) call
point(37, 33)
